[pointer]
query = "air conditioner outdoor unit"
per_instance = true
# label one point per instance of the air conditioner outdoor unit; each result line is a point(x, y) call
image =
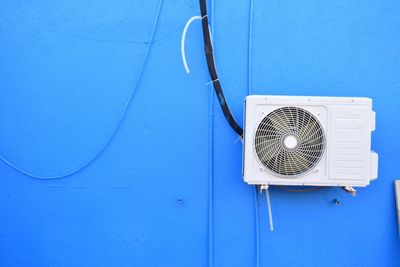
point(315, 141)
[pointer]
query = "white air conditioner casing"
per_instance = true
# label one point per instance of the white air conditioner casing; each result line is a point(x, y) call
point(344, 156)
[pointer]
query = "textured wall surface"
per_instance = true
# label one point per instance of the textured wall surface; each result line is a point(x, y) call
point(67, 69)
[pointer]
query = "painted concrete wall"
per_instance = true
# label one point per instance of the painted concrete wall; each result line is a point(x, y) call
point(67, 69)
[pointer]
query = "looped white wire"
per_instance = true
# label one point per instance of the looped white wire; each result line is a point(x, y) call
point(183, 41)
point(185, 29)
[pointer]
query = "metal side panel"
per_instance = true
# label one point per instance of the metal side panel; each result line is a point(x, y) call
point(397, 194)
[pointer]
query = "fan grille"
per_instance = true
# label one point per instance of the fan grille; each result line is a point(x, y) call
point(289, 141)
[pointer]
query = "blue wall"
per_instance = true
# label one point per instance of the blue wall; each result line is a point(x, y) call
point(67, 69)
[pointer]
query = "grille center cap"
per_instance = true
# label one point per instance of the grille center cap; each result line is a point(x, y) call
point(291, 141)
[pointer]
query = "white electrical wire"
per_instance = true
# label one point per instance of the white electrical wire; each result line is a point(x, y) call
point(183, 41)
point(271, 222)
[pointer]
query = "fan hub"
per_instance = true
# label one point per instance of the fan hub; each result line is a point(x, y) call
point(290, 141)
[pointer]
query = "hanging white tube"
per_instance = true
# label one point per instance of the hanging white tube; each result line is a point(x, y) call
point(183, 41)
point(271, 222)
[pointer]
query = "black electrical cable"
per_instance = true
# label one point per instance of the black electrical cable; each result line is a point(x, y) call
point(208, 48)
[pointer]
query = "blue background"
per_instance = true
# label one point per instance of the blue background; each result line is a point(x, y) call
point(66, 71)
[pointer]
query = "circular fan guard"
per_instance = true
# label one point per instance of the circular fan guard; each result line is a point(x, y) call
point(289, 141)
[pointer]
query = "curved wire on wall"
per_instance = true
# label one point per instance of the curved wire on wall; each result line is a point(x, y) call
point(116, 127)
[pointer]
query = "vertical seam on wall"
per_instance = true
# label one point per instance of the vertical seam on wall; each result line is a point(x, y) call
point(250, 49)
point(249, 92)
point(211, 161)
